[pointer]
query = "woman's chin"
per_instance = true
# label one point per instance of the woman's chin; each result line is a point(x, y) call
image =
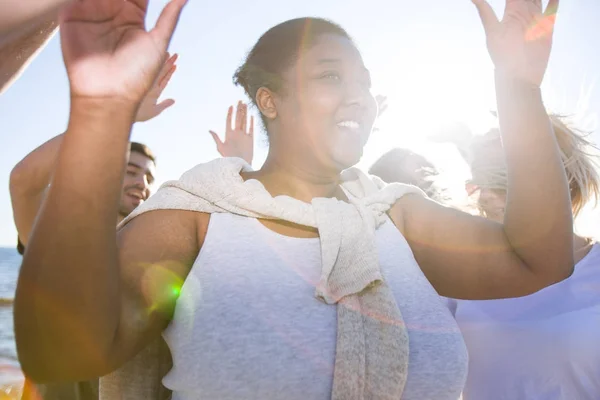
point(348, 159)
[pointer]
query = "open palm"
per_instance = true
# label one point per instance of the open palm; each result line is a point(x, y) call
point(521, 42)
point(150, 107)
point(239, 138)
point(107, 50)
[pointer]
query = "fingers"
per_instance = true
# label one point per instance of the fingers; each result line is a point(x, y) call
point(167, 70)
point(163, 105)
point(239, 116)
point(487, 15)
point(217, 140)
point(251, 132)
point(244, 117)
point(167, 21)
point(241, 119)
point(166, 78)
point(543, 28)
point(551, 8)
point(228, 126)
point(172, 58)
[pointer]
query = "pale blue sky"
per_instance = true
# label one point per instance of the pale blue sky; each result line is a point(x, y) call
point(429, 57)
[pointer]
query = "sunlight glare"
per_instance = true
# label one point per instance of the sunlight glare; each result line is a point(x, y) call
point(427, 97)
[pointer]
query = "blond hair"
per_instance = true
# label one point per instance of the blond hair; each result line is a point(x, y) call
point(579, 155)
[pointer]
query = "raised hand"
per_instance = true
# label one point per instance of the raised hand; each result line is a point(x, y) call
point(150, 107)
point(239, 139)
point(520, 43)
point(108, 53)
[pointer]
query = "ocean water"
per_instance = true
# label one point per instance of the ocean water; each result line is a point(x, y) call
point(10, 374)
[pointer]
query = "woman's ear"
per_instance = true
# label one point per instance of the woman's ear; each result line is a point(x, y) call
point(265, 102)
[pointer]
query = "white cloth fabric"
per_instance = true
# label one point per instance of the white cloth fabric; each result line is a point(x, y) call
point(258, 302)
point(545, 346)
point(350, 275)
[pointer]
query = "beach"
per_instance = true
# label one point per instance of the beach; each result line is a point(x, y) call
point(10, 375)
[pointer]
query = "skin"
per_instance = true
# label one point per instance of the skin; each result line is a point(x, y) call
point(305, 141)
point(493, 203)
point(16, 54)
point(18, 17)
point(30, 178)
point(239, 136)
point(139, 177)
point(25, 29)
point(124, 295)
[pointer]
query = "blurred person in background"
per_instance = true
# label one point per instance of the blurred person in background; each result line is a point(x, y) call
point(545, 345)
point(29, 182)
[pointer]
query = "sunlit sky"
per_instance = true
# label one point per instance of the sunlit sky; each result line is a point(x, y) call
point(428, 57)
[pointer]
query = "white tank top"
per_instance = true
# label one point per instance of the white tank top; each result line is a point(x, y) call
point(248, 326)
point(545, 346)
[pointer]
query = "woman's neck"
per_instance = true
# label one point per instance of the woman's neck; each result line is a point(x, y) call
point(298, 181)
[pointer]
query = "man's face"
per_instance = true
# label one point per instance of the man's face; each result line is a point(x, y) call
point(139, 177)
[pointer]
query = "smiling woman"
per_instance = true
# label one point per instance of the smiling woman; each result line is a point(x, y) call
point(304, 279)
point(339, 134)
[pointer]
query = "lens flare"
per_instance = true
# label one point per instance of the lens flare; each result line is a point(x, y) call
point(542, 28)
point(161, 286)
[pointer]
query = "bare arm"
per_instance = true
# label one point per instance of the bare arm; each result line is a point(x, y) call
point(29, 180)
point(19, 16)
point(469, 257)
point(472, 258)
point(64, 244)
point(107, 312)
point(113, 299)
point(71, 300)
point(16, 54)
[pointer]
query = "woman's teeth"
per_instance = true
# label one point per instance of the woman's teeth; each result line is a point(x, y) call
point(349, 125)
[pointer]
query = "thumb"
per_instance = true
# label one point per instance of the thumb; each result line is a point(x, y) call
point(487, 15)
point(163, 105)
point(167, 21)
point(217, 140)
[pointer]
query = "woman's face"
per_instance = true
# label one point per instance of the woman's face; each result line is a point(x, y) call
point(326, 111)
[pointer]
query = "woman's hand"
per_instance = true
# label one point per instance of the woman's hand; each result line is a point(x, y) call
point(520, 43)
point(109, 54)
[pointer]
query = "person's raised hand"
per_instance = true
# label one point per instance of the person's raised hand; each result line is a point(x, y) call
point(150, 107)
point(108, 52)
point(520, 43)
point(239, 138)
